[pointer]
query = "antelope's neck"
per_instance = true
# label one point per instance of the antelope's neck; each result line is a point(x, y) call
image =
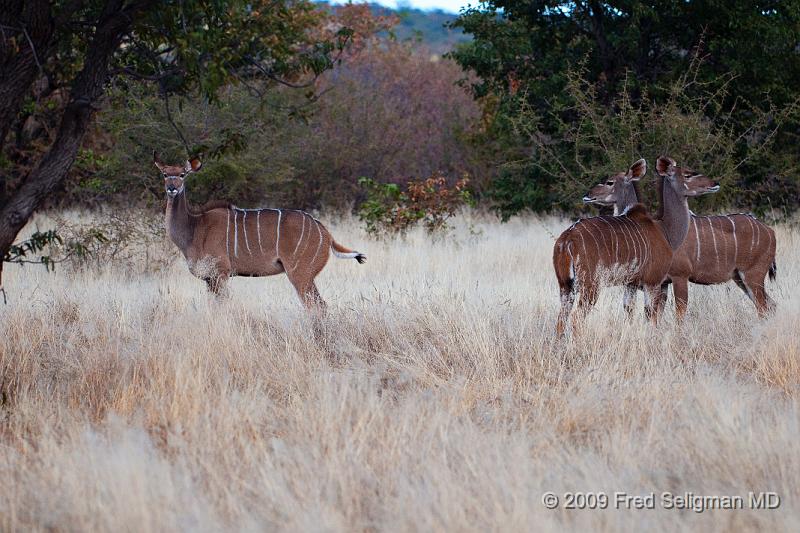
point(675, 221)
point(180, 225)
point(628, 198)
point(660, 195)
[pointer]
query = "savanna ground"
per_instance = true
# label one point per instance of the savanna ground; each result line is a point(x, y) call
point(433, 396)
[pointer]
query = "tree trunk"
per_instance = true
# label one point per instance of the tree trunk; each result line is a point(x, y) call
point(596, 16)
point(87, 88)
point(27, 30)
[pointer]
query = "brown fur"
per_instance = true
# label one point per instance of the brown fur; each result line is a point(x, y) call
point(631, 249)
point(220, 240)
point(717, 249)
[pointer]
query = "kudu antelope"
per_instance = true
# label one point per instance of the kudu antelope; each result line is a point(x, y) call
point(220, 240)
point(631, 249)
point(717, 249)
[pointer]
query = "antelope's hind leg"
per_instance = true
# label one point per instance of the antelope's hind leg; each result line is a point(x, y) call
point(307, 290)
point(590, 291)
point(752, 283)
point(567, 291)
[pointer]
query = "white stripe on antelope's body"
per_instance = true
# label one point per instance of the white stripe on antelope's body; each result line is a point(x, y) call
point(717, 249)
point(204, 237)
point(644, 246)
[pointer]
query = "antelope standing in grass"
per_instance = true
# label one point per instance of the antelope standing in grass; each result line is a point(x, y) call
point(717, 249)
point(220, 240)
point(631, 249)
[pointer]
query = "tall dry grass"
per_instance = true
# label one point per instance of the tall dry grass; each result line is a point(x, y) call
point(433, 396)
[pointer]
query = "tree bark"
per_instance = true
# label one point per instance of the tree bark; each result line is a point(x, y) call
point(596, 16)
point(26, 31)
point(88, 85)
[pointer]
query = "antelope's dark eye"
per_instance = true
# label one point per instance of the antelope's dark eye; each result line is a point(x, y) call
point(609, 182)
point(183, 174)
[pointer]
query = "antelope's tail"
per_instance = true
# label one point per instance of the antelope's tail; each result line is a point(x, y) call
point(346, 253)
point(773, 271)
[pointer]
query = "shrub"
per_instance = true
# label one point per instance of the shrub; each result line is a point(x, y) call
point(389, 109)
point(594, 139)
point(389, 209)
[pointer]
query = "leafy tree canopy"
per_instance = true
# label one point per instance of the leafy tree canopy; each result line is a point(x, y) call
point(531, 44)
point(739, 57)
point(62, 55)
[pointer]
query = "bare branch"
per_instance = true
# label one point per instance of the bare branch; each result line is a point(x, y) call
point(165, 97)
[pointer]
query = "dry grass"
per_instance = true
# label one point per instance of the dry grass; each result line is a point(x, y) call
point(434, 397)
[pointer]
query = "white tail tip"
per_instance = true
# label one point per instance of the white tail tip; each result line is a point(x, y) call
point(358, 256)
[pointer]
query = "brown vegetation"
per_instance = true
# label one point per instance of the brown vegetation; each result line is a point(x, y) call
point(435, 398)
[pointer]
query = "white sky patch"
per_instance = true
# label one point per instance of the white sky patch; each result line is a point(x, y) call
point(453, 6)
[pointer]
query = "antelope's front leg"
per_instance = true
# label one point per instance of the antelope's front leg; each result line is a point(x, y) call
point(629, 299)
point(217, 283)
point(661, 299)
point(680, 288)
point(652, 302)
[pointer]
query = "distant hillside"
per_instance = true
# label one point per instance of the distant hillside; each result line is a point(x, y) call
point(427, 26)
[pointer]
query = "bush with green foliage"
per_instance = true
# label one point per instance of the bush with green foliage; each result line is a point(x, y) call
point(389, 209)
point(388, 111)
point(603, 139)
point(723, 71)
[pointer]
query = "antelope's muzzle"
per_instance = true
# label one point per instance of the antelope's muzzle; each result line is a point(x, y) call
point(588, 199)
point(172, 192)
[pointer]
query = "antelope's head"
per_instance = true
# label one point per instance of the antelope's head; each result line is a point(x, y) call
point(613, 189)
point(685, 181)
point(175, 175)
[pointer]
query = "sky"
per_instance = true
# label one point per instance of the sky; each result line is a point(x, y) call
point(452, 6)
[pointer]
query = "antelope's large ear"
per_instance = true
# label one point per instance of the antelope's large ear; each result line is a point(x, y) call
point(193, 165)
point(665, 165)
point(637, 170)
point(156, 161)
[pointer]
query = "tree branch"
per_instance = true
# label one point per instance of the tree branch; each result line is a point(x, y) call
point(165, 97)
